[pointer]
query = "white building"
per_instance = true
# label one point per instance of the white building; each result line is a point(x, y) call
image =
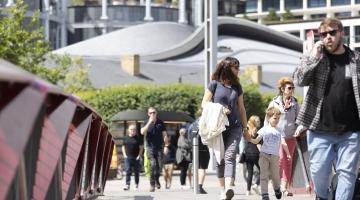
point(307, 14)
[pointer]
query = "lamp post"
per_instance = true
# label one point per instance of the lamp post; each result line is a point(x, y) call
point(186, 74)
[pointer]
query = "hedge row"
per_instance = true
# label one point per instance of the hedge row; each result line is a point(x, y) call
point(175, 97)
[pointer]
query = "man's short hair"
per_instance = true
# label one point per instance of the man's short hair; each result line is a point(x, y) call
point(331, 22)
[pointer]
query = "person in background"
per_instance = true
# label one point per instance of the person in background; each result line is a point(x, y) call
point(331, 110)
point(269, 153)
point(289, 108)
point(168, 160)
point(183, 156)
point(204, 155)
point(155, 133)
point(226, 90)
point(252, 155)
point(132, 150)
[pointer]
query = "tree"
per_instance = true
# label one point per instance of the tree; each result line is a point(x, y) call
point(287, 15)
point(23, 43)
point(272, 16)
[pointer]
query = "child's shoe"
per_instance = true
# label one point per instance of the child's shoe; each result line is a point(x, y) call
point(278, 193)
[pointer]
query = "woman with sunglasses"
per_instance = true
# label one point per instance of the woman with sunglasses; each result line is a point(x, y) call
point(289, 108)
point(226, 90)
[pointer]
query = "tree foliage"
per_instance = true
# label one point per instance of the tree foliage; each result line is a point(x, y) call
point(287, 15)
point(23, 43)
point(272, 16)
point(177, 97)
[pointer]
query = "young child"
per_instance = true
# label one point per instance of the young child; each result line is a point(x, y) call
point(269, 153)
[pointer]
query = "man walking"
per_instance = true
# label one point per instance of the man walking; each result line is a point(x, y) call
point(331, 110)
point(132, 151)
point(155, 134)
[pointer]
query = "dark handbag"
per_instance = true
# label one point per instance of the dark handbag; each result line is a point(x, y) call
point(242, 158)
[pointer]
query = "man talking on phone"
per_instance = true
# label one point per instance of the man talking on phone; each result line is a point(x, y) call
point(331, 110)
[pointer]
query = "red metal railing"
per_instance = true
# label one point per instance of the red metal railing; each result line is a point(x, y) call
point(52, 145)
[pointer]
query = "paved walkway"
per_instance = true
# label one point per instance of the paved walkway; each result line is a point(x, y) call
point(113, 190)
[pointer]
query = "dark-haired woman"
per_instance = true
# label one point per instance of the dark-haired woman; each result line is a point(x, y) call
point(226, 90)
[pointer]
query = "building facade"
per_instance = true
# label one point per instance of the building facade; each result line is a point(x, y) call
point(305, 15)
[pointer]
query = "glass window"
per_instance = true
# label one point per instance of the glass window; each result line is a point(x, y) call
point(357, 1)
point(318, 16)
point(340, 2)
point(267, 4)
point(346, 38)
point(316, 3)
point(293, 4)
point(251, 6)
point(343, 14)
point(295, 33)
point(357, 33)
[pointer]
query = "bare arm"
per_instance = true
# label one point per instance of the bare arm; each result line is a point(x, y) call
point(256, 140)
point(206, 98)
point(243, 116)
point(124, 151)
point(165, 137)
point(140, 152)
point(286, 148)
point(144, 129)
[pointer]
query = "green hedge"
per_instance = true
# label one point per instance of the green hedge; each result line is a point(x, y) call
point(174, 97)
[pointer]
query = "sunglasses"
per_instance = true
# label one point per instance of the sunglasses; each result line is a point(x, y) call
point(290, 88)
point(236, 67)
point(324, 34)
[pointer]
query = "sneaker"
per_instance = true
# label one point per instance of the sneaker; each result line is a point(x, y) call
point(157, 184)
point(202, 191)
point(126, 187)
point(248, 193)
point(255, 188)
point(265, 196)
point(136, 188)
point(152, 189)
point(278, 193)
point(229, 194)
point(287, 193)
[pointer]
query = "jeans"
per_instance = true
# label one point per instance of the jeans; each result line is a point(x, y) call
point(324, 148)
point(132, 163)
point(155, 157)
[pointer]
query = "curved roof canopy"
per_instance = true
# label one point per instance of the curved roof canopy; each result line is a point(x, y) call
point(141, 115)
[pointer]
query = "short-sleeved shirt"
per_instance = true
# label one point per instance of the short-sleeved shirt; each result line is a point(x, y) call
point(338, 112)
point(227, 96)
point(132, 146)
point(271, 140)
point(154, 137)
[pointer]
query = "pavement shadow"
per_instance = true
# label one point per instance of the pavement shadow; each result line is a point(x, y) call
point(143, 198)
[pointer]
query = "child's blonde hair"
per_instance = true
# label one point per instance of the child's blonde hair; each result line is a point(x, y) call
point(271, 112)
point(251, 124)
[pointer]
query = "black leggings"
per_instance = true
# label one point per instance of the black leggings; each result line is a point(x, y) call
point(250, 168)
point(183, 166)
